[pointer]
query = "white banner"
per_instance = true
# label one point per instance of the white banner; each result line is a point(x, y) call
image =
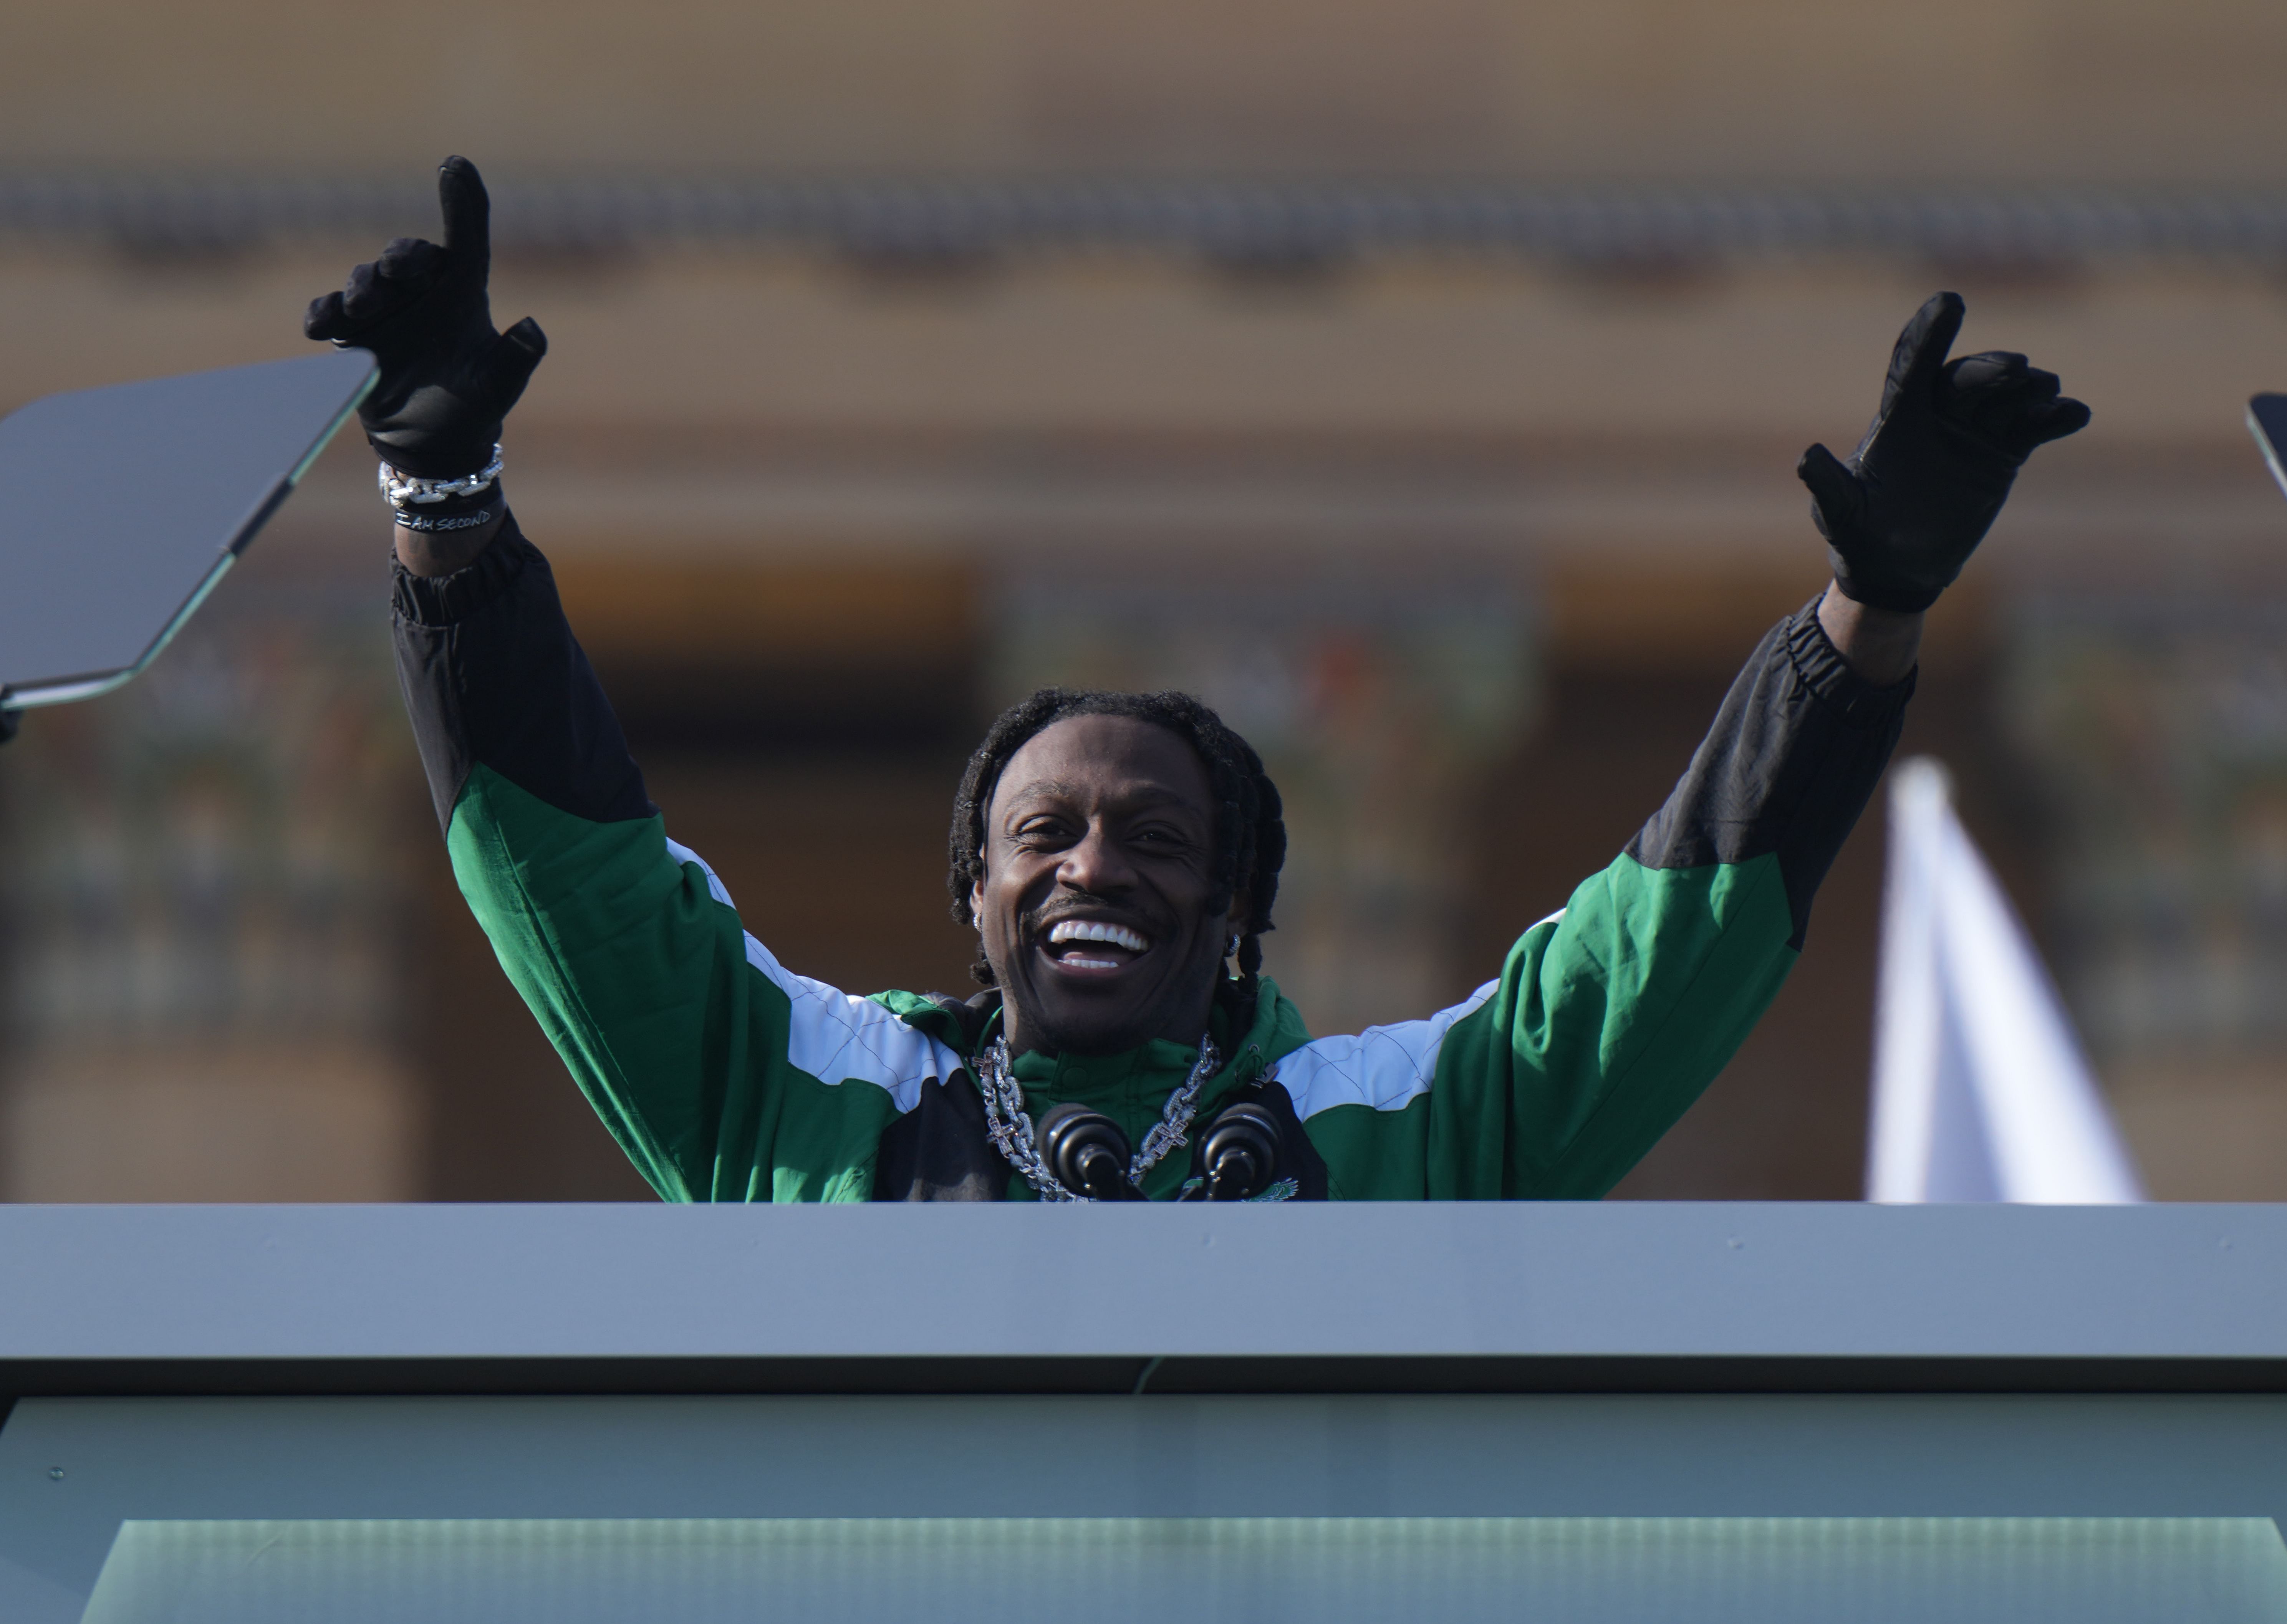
point(1980, 1091)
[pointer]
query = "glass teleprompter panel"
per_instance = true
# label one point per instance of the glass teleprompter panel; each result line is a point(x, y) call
point(122, 507)
point(1114, 1570)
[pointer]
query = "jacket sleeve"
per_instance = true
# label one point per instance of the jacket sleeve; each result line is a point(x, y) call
point(1610, 1018)
point(723, 1075)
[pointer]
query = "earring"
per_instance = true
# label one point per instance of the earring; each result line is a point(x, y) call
point(974, 923)
point(1227, 952)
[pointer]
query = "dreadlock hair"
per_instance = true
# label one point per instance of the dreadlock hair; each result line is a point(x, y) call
point(1250, 830)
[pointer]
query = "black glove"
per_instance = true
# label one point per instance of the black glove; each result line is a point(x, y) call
point(446, 378)
point(1903, 514)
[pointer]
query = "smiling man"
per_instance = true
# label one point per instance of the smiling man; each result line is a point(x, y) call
point(1118, 855)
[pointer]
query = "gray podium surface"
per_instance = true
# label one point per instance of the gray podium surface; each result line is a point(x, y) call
point(1585, 1411)
point(1434, 1298)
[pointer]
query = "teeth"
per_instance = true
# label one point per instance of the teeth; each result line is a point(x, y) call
point(1075, 961)
point(1097, 930)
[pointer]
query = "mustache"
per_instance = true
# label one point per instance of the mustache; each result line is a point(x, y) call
point(1033, 925)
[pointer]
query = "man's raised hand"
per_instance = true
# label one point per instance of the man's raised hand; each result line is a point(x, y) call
point(447, 379)
point(1903, 514)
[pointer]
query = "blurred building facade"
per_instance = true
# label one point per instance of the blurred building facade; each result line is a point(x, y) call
point(1421, 384)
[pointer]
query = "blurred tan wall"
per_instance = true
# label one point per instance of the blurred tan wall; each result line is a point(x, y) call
point(1661, 89)
point(784, 486)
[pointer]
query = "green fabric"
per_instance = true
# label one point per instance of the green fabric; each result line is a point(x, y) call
point(640, 979)
point(1606, 1024)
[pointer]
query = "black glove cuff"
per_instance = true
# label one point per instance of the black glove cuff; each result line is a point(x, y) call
point(433, 457)
point(1895, 597)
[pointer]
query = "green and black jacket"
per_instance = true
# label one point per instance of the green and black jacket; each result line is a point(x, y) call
point(727, 1077)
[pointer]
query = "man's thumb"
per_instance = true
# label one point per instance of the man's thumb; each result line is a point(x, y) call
point(1835, 496)
point(507, 367)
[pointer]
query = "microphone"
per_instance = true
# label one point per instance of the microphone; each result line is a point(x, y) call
point(1240, 1154)
point(1087, 1152)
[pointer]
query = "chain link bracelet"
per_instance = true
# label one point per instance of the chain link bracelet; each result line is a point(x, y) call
point(404, 490)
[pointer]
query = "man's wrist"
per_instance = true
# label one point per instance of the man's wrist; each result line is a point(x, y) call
point(443, 524)
point(1879, 645)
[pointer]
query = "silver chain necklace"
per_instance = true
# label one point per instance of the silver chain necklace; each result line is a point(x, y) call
point(1010, 1132)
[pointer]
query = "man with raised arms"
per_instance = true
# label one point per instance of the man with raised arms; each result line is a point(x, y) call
point(1118, 855)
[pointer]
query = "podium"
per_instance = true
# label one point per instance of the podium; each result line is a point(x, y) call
point(1577, 1411)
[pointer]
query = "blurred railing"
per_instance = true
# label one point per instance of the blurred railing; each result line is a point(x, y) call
point(1267, 222)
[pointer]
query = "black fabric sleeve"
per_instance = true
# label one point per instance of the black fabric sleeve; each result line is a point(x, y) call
point(493, 675)
point(1794, 755)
